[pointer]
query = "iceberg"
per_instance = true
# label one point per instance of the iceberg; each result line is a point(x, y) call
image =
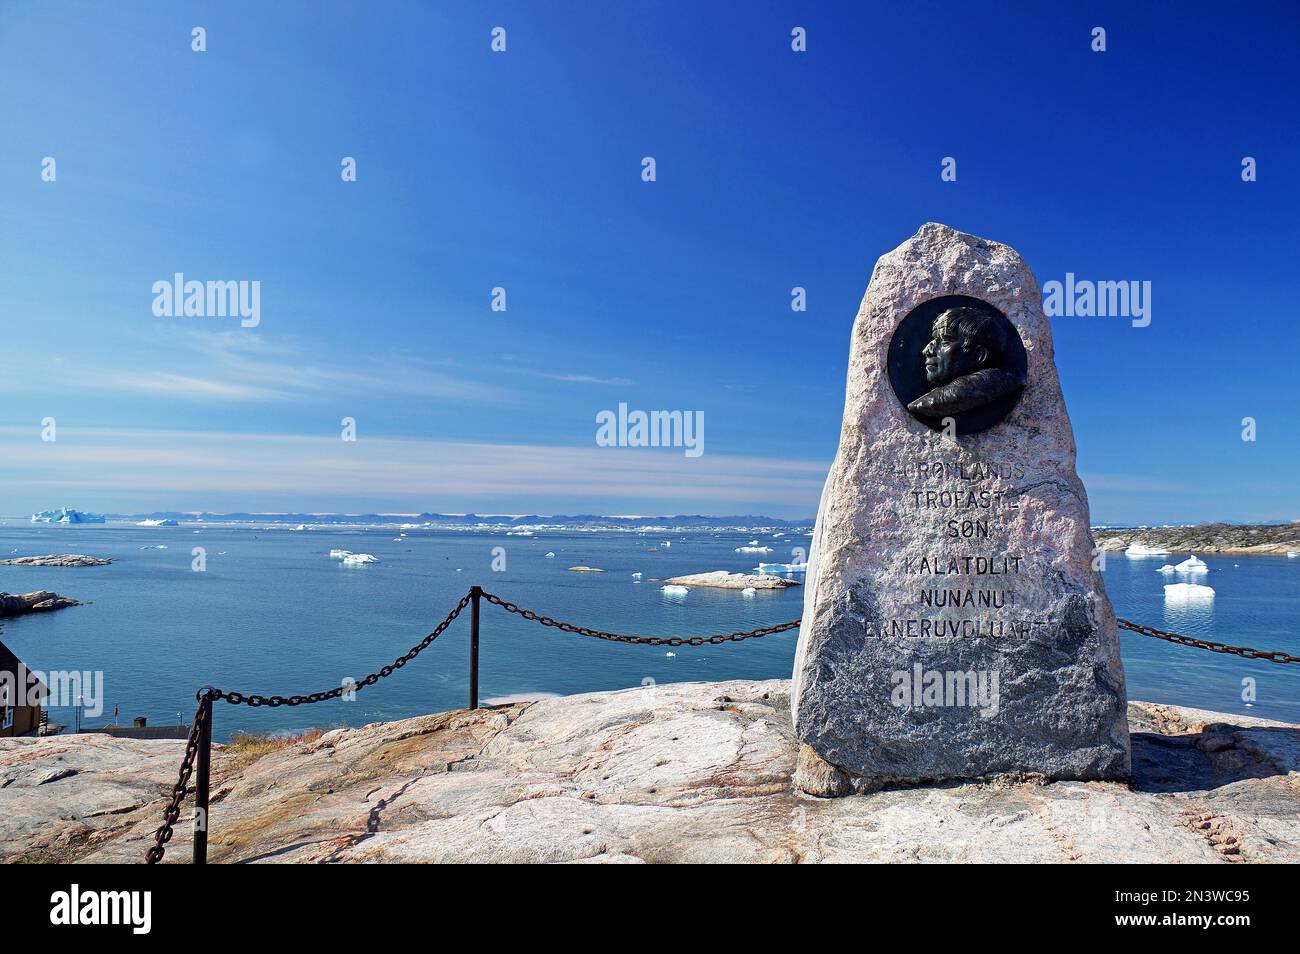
point(64, 515)
point(359, 559)
point(782, 568)
point(1142, 550)
point(1167, 568)
point(753, 549)
point(636, 576)
point(1192, 565)
point(340, 554)
point(675, 590)
point(159, 523)
point(550, 555)
point(1293, 553)
point(1188, 592)
point(748, 591)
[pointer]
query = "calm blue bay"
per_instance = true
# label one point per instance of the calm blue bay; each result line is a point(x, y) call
point(273, 614)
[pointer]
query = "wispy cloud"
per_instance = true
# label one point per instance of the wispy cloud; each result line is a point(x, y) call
point(190, 469)
point(513, 364)
point(243, 366)
point(182, 386)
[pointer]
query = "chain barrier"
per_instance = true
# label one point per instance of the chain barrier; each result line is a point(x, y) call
point(209, 695)
point(640, 640)
point(1208, 644)
point(240, 699)
point(164, 834)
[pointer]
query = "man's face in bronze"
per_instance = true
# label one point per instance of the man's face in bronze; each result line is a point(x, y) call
point(947, 356)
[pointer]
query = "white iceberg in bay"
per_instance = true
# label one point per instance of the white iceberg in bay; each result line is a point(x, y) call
point(1188, 592)
point(637, 575)
point(1193, 564)
point(748, 591)
point(64, 515)
point(159, 523)
point(359, 559)
point(1142, 550)
point(340, 554)
point(1167, 568)
point(675, 590)
point(752, 549)
point(782, 568)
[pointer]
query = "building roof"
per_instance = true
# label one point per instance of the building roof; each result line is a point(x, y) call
point(147, 732)
point(9, 663)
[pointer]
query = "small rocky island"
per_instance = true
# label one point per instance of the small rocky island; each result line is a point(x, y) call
point(723, 580)
point(41, 601)
point(1278, 539)
point(59, 559)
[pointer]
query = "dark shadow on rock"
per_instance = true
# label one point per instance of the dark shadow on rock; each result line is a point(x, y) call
point(1207, 760)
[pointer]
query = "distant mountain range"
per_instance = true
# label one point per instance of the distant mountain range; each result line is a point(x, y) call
point(471, 519)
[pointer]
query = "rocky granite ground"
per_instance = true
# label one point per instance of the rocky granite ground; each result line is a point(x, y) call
point(58, 559)
point(1207, 538)
point(675, 773)
point(42, 601)
point(721, 579)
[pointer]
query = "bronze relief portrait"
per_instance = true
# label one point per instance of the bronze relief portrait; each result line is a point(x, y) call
point(958, 357)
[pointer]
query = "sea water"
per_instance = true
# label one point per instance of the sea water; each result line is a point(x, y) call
point(272, 613)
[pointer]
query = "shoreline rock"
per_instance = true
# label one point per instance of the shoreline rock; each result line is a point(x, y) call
point(724, 580)
point(41, 601)
point(1240, 540)
point(684, 772)
point(59, 559)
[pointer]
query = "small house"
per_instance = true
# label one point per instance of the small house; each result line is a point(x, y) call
point(18, 688)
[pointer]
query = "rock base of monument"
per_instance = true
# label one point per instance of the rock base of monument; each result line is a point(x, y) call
point(813, 775)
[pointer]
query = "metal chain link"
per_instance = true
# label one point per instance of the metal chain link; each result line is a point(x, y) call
point(240, 699)
point(640, 640)
point(1242, 651)
point(164, 834)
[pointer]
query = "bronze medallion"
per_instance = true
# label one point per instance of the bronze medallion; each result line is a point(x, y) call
point(958, 357)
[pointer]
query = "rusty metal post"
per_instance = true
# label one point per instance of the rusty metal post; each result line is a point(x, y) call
point(475, 592)
point(202, 777)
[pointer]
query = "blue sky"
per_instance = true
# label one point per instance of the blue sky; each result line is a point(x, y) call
point(522, 170)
